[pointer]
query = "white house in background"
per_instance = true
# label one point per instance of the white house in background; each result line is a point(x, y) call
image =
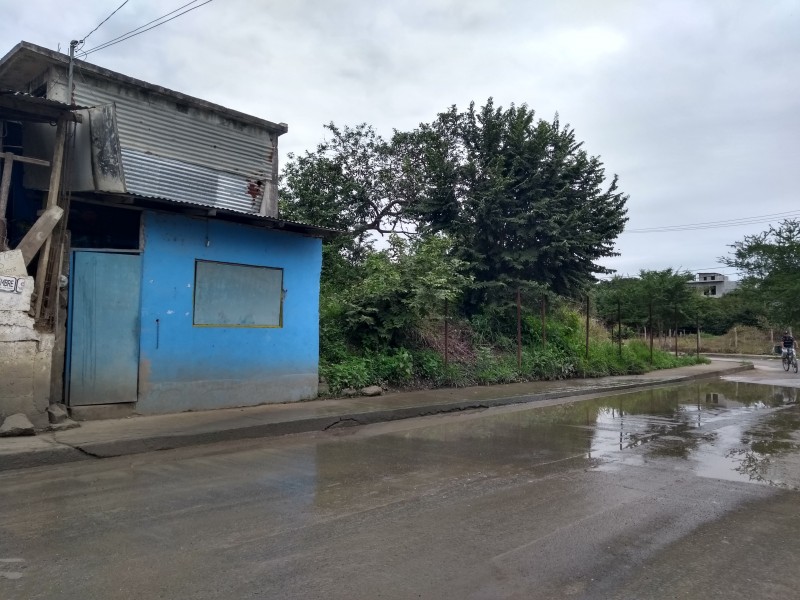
point(714, 285)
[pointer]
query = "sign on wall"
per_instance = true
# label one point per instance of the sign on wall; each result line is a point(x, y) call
point(12, 284)
point(233, 295)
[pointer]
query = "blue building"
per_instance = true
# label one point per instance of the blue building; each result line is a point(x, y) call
point(171, 283)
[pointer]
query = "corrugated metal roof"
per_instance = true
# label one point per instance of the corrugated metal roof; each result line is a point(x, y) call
point(25, 61)
point(272, 222)
point(16, 104)
point(155, 127)
point(155, 176)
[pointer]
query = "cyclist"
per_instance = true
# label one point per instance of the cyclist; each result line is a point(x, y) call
point(789, 344)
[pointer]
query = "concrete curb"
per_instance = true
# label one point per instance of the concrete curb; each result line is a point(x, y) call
point(148, 444)
point(55, 452)
point(741, 356)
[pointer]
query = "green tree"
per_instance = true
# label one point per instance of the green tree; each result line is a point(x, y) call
point(770, 265)
point(620, 296)
point(664, 294)
point(352, 181)
point(399, 288)
point(521, 199)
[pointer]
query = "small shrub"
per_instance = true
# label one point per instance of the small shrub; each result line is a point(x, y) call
point(351, 372)
point(396, 368)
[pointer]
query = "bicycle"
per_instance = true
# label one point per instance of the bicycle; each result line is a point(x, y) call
point(789, 360)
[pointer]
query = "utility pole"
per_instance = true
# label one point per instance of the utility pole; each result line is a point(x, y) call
point(72, 46)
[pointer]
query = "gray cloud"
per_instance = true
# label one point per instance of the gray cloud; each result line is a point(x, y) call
point(694, 104)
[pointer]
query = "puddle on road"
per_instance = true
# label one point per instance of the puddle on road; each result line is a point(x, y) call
point(725, 430)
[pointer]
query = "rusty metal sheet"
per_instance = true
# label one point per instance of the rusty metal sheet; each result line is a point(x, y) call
point(106, 156)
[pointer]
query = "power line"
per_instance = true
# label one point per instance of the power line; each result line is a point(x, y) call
point(754, 220)
point(86, 37)
point(143, 28)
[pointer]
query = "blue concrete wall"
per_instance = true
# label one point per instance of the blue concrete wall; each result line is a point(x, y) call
point(185, 367)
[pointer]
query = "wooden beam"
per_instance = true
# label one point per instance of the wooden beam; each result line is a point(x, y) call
point(5, 186)
point(52, 199)
point(24, 159)
point(39, 233)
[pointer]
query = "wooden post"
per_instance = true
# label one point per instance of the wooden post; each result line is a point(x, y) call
point(735, 340)
point(544, 322)
point(587, 327)
point(675, 332)
point(698, 336)
point(519, 329)
point(619, 327)
point(52, 199)
point(5, 188)
point(650, 326)
point(446, 333)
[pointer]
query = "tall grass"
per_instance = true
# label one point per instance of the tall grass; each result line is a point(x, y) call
point(425, 368)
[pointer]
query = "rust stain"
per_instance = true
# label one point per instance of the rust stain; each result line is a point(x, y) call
point(255, 189)
point(144, 376)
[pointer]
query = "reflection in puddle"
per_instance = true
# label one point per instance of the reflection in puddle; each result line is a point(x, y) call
point(724, 430)
point(719, 429)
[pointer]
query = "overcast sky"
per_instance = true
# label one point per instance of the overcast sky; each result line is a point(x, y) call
point(695, 104)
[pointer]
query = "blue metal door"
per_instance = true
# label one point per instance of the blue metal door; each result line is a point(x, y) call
point(103, 363)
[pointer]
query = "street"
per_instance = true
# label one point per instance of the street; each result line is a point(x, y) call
point(688, 491)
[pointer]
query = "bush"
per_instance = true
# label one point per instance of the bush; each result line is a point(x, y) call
point(385, 369)
point(494, 363)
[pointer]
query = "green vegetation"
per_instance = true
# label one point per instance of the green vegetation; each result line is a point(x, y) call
point(480, 207)
point(770, 265)
point(483, 358)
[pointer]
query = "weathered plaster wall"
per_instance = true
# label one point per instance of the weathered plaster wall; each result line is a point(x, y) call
point(185, 367)
point(25, 354)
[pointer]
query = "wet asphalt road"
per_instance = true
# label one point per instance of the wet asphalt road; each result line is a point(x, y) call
point(681, 492)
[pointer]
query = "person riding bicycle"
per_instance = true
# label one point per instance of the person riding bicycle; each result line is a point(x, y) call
point(789, 344)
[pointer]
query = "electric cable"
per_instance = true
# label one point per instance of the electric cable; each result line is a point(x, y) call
point(753, 220)
point(143, 28)
point(86, 37)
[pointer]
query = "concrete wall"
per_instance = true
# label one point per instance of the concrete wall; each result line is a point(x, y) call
point(186, 367)
point(25, 354)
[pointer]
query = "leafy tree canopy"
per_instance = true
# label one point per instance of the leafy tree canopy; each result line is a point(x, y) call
point(520, 198)
point(770, 265)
